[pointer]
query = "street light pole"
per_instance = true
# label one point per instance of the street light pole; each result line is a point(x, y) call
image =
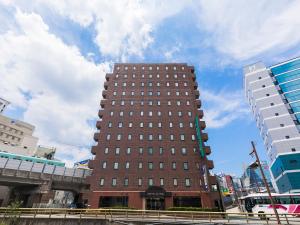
point(265, 182)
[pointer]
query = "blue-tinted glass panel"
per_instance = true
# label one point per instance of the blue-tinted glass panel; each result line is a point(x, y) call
point(291, 86)
point(293, 96)
point(288, 76)
point(285, 162)
point(288, 182)
point(286, 67)
point(298, 117)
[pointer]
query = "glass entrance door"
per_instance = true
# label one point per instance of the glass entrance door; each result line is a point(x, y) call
point(155, 203)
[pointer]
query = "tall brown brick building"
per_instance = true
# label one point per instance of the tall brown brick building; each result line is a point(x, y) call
point(151, 152)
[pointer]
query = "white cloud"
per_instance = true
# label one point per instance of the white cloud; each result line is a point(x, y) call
point(123, 27)
point(243, 29)
point(58, 88)
point(223, 107)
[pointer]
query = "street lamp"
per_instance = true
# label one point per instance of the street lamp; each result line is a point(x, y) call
point(265, 181)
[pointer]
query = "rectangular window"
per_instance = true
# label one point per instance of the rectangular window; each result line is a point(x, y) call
point(182, 137)
point(161, 150)
point(108, 137)
point(114, 182)
point(127, 165)
point(101, 183)
point(104, 165)
point(140, 150)
point(140, 181)
point(161, 181)
point(150, 182)
point(175, 182)
point(185, 166)
point(161, 165)
point(187, 182)
point(119, 137)
point(150, 165)
point(140, 165)
point(174, 165)
point(126, 182)
point(106, 150)
point(150, 137)
point(159, 124)
point(173, 151)
point(150, 151)
point(116, 165)
point(128, 151)
point(141, 137)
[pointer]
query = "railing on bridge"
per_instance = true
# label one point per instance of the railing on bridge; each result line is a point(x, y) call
point(32, 167)
point(165, 216)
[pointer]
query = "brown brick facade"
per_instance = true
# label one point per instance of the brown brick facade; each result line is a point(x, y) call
point(148, 138)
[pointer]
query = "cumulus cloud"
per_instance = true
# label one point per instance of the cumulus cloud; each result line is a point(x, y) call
point(223, 107)
point(123, 27)
point(243, 29)
point(56, 86)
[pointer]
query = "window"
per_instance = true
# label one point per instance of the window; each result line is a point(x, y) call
point(150, 165)
point(142, 113)
point(161, 181)
point(116, 166)
point(140, 181)
point(150, 137)
point(121, 113)
point(116, 84)
point(178, 103)
point(186, 93)
point(168, 84)
point(179, 113)
point(101, 182)
point(114, 182)
point(161, 150)
point(124, 84)
point(150, 67)
point(141, 137)
point(150, 125)
point(166, 67)
point(128, 151)
point(150, 182)
point(142, 93)
point(182, 137)
point(172, 137)
point(140, 150)
point(282, 125)
point(173, 151)
point(287, 137)
point(187, 102)
point(132, 93)
point(161, 165)
point(141, 124)
point(174, 68)
point(119, 137)
point(150, 75)
point(158, 84)
point(108, 137)
point(293, 149)
point(187, 182)
point(113, 102)
point(117, 151)
point(158, 102)
point(120, 125)
point(142, 102)
point(150, 151)
point(185, 84)
point(150, 113)
point(176, 84)
point(159, 113)
point(106, 151)
point(171, 125)
point(126, 68)
point(177, 93)
point(123, 93)
point(181, 125)
point(115, 93)
point(175, 75)
point(150, 102)
point(150, 84)
point(111, 113)
point(130, 113)
point(131, 102)
point(276, 114)
point(168, 93)
point(158, 93)
point(122, 102)
point(185, 166)
point(189, 113)
point(183, 151)
point(140, 165)
point(160, 137)
point(127, 165)
point(134, 67)
point(174, 165)
point(130, 124)
point(193, 137)
point(104, 164)
point(170, 113)
point(191, 125)
point(175, 182)
point(110, 124)
point(150, 93)
point(169, 102)
point(159, 124)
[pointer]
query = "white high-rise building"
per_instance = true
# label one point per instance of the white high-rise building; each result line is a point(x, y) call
point(274, 96)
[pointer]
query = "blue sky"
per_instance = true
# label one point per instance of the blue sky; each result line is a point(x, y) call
point(55, 55)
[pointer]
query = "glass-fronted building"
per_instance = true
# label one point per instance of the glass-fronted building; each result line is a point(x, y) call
point(274, 96)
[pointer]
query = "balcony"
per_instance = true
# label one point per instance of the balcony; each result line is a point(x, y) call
point(194, 77)
point(210, 164)
point(91, 164)
point(200, 114)
point(105, 85)
point(102, 103)
point(202, 124)
point(107, 76)
point(100, 113)
point(198, 103)
point(195, 85)
point(98, 124)
point(197, 93)
point(96, 136)
point(207, 150)
point(204, 137)
point(104, 94)
point(94, 150)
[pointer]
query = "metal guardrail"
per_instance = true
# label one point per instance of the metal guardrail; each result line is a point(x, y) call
point(153, 215)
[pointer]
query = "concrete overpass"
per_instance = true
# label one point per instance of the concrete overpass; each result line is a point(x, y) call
point(33, 183)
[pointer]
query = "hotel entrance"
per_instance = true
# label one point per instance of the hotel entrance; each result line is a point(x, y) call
point(155, 198)
point(155, 203)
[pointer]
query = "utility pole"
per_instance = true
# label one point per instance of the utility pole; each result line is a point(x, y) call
point(265, 181)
